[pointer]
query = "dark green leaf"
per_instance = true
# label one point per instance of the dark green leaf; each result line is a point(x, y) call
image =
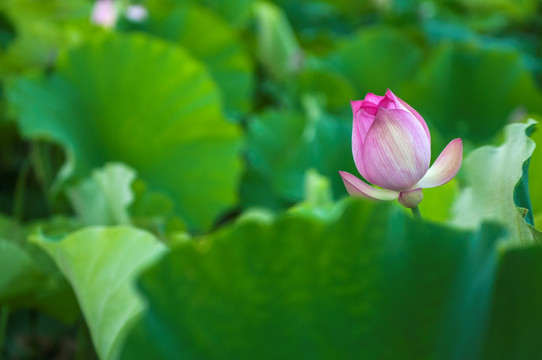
point(516, 318)
point(369, 285)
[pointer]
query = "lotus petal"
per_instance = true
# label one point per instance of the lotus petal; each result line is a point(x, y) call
point(357, 187)
point(396, 151)
point(403, 105)
point(445, 167)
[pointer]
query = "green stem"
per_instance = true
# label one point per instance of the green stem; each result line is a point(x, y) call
point(416, 213)
point(4, 314)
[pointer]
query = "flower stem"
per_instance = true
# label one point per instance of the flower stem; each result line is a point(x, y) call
point(416, 213)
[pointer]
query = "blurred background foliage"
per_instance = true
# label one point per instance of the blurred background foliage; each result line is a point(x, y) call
point(205, 137)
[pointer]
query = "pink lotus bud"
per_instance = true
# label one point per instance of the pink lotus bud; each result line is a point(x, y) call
point(391, 146)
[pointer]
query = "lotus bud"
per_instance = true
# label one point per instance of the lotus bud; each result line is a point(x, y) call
point(391, 146)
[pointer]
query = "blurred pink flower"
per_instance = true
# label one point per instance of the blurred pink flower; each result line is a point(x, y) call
point(391, 146)
point(104, 13)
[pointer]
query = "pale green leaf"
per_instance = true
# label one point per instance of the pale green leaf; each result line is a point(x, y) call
point(101, 265)
point(492, 174)
point(103, 199)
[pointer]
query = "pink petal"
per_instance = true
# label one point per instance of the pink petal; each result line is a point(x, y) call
point(445, 167)
point(395, 152)
point(357, 144)
point(361, 124)
point(372, 98)
point(389, 101)
point(369, 104)
point(356, 106)
point(357, 187)
point(403, 105)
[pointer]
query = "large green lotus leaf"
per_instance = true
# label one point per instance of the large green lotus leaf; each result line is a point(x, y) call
point(313, 140)
point(370, 59)
point(146, 103)
point(216, 44)
point(104, 198)
point(369, 284)
point(492, 174)
point(459, 93)
point(101, 264)
point(516, 320)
